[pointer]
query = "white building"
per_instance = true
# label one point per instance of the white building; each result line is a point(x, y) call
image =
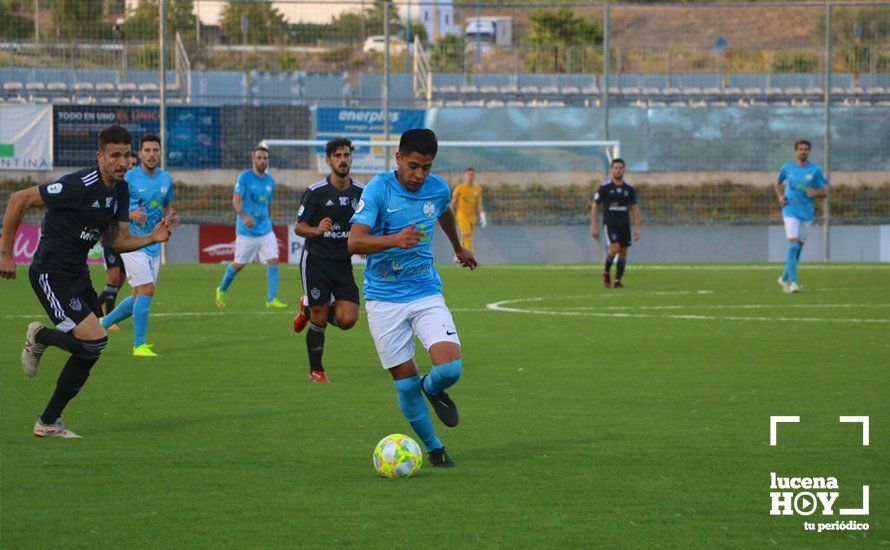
point(437, 16)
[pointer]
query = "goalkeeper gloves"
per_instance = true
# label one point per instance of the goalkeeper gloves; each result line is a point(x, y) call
point(483, 221)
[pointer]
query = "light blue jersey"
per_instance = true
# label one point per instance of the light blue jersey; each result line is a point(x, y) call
point(397, 274)
point(256, 196)
point(151, 194)
point(797, 180)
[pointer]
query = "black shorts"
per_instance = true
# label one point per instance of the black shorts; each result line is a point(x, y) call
point(619, 234)
point(323, 278)
point(67, 299)
point(113, 259)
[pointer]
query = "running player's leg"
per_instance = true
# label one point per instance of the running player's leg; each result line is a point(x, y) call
point(433, 324)
point(269, 255)
point(792, 255)
point(466, 227)
point(114, 280)
point(86, 345)
point(394, 341)
point(139, 274)
point(72, 305)
point(318, 290)
point(623, 241)
point(346, 298)
point(245, 250)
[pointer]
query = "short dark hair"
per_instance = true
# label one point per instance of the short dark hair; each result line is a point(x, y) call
point(331, 147)
point(116, 134)
point(419, 140)
point(802, 142)
point(470, 169)
point(618, 161)
point(261, 148)
point(149, 138)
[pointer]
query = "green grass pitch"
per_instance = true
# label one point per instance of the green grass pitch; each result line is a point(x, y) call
point(589, 417)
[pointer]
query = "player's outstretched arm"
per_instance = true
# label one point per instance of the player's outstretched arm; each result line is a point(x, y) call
point(19, 203)
point(449, 225)
point(362, 242)
point(124, 241)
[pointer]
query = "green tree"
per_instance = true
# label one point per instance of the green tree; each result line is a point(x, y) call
point(265, 24)
point(13, 25)
point(142, 22)
point(563, 28)
point(79, 19)
point(557, 33)
point(449, 55)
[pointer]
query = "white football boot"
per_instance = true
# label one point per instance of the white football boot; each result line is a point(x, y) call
point(32, 351)
point(784, 284)
point(57, 429)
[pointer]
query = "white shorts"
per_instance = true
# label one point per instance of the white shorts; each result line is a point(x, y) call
point(247, 248)
point(142, 269)
point(393, 326)
point(796, 229)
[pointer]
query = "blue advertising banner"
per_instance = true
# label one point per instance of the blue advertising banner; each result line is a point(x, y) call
point(364, 124)
point(193, 133)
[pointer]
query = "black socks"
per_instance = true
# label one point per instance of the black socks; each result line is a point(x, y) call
point(315, 345)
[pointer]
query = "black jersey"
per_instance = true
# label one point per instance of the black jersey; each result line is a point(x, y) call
point(79, 208)
point(322, 200)
point(618, 200)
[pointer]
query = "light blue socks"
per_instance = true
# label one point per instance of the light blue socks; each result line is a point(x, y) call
point(271, 282)
point(121, 312)
point(416, 412)
point(442, 377)
point(141, 309)
point(792, 257)
point(228, 277)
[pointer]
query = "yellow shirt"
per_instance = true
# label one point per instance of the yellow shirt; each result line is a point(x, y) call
point(468, 198)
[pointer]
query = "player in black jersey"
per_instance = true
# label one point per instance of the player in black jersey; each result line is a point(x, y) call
point(620, 204)
point(115, 272)
point(326, 264)
point(80, 206)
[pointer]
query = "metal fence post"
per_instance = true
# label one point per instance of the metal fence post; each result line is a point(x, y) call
point(606, 72)
point(827, 139)
point(386, 8)
point(163, 79)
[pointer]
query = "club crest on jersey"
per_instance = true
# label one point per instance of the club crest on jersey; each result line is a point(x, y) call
point(354, 204)
point(429, 209)
point(316, 294)
point(54, 189)
point(75, 304)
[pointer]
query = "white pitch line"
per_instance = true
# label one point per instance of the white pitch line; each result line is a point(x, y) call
point(500, 306)
point(656, 267)
point(727, 306)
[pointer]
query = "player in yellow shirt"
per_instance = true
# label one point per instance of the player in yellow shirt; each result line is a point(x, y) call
point(466, 201)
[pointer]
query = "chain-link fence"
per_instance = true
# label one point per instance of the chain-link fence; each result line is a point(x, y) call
point(706, 100)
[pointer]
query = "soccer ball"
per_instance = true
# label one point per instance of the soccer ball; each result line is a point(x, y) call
point(397, 455)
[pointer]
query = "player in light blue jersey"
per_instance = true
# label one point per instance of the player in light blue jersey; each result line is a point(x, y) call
point(253, 231)
point(151, 200)
point(394, 225)
point(798, 185)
